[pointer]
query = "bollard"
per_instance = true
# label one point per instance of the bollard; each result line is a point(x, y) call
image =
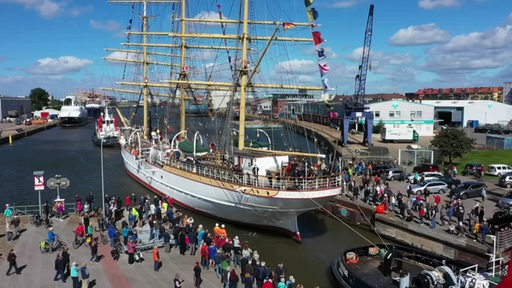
point(10, 139)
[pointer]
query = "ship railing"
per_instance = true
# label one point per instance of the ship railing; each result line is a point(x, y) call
point(471, 275)
point(287, 183)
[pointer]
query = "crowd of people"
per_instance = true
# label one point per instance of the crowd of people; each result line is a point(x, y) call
point(232, 261)
point(425, 208)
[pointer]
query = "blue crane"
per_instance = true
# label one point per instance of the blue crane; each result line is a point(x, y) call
point(354, 108)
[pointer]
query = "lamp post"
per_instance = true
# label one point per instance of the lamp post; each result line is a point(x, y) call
point(102, 181)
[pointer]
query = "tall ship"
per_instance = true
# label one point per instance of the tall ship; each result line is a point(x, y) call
point(72, 113)
point(198, 163)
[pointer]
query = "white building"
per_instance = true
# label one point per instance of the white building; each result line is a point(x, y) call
point(400, 113)
point(463, 111)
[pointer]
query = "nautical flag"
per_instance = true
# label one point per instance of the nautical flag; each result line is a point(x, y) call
point(288, 25)
point(321, 53)
point(312, 14)
point(314, 25)
point(325, 84)
point(324, 68)
point(317, 38)
point(308, 3)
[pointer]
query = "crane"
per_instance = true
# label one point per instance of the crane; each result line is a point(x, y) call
point(354, 109)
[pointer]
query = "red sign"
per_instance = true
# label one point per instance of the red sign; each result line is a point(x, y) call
point(39, 181)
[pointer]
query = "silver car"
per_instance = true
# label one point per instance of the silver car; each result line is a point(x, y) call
point(432, 186)
point(505, 201)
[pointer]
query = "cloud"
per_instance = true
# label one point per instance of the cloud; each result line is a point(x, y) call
point(475, 50)
point(46, 8)
point(420, 35)
point(296, 67)
point(344, 4)
point(208, 15)
point(432, 4)
point(59, 66)
point(110, 25)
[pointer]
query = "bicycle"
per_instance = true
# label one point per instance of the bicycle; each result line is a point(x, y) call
point(36, 220)
point(103, 237)
point(78, 241)
point(46, 247)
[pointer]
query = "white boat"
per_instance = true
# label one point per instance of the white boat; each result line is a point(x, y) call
point(253, 186)
point(106, 129)
point(72, 113)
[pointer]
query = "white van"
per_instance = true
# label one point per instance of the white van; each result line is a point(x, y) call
point(498, 169)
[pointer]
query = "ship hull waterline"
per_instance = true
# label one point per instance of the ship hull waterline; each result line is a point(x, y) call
point(223, 203)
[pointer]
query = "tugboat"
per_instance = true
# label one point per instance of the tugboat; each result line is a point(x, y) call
point(106, 129)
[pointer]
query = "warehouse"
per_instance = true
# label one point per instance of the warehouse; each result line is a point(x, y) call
point(14, 107)
point(464, 112)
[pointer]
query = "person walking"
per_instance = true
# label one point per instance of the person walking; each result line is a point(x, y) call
point(59, 268)
point(156, 258)
point(66, 260)
point(177, 282)
point(84, 272)
point(94, 250)
point(11, 258)
point(197, 276)
point(484, 194)
point(75, 272)
point(131, 252)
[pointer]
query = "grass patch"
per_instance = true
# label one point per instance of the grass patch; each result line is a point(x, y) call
point(485, 157)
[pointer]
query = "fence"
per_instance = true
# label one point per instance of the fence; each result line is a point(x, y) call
point(34, 209)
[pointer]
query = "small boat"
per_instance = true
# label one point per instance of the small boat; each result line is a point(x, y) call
point(72, 113)
point(106, 129)
point(389, 266)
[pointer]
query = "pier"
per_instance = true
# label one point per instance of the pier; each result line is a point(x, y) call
point(10, 132)
point(392, 227)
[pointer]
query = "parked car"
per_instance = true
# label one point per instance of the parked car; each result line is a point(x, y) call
point(498, 169)
point(450, 181)
point(472, 169)
point(432, 186)
point(469, 189)
point(379, 169)
point(394, 174)
point(505, 180)
point(426, 176)
point(426, 167)
point(505, 201)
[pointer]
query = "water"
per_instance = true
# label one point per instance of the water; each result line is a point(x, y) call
point(70, 153)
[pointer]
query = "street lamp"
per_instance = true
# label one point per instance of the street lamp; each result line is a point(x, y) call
point(102, 181)
point(58, 182)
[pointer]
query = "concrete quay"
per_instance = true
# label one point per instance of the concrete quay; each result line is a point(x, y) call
point(37, 269)
point(10, 131)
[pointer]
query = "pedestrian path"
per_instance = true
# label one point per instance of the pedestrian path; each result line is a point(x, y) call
point(37, 269)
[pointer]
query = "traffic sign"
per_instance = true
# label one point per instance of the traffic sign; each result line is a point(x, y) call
point(39, 182)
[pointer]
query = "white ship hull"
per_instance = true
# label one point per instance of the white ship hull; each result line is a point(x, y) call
point(72, 114)
point(228, 200)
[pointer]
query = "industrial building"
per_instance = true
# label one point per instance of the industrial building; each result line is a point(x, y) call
point(428, 115)
point(14, 107)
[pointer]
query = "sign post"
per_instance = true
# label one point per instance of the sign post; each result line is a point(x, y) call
point(38, 186)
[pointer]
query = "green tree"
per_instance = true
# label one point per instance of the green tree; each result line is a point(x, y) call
point(377, 128)
point(452, 143)
point(55, 104)
point(40, 98)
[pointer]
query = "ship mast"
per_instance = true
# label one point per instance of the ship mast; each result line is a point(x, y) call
point(183, 75)
point(244, 70)
point(145, 89)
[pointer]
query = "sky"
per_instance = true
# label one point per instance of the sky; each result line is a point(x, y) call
point(58, 45)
